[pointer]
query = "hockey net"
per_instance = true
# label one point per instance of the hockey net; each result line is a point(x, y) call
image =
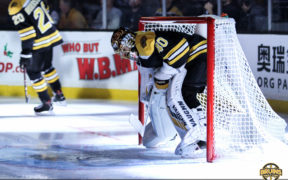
point(238, 116)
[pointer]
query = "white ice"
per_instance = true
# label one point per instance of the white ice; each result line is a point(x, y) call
point(92, 139)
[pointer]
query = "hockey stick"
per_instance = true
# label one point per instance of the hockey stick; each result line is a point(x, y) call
point(136, 123)
point(25, 86)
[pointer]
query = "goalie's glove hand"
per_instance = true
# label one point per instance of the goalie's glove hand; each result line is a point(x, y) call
point(25, 60)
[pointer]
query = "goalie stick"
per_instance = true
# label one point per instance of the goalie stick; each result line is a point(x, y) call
point(136, 123)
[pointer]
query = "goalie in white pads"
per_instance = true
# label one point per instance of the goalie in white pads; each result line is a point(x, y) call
point(177, 64)
point(160, 131)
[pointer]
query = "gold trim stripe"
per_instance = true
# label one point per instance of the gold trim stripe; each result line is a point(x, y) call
point(41, 90)
point(76, 93)
point(195, 55)
point(175, 48)
point(179, 56)
point(161, 86)
point(53, 80)
point(47, 44)
point(50, 74)
point(26, 30)
point(47, 37)
point(197, 45)
point(28, 37)
point(175, 122)
point(39, 83)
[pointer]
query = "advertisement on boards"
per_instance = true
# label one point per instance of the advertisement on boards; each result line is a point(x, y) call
point(267, 55)
point(84, 61)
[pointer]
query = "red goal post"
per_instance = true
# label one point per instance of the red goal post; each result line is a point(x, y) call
point(210, 55)
point(238, 115)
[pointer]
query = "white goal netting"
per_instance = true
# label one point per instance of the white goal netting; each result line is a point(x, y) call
point(243, 119)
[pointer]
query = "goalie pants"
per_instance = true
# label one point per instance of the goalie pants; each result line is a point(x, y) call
point(194, 82)
point(42, 64)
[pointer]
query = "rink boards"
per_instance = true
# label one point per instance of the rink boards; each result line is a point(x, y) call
point(88, 68)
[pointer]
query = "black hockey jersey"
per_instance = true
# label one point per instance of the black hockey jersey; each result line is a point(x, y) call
point(34, 25)
point(173, 48)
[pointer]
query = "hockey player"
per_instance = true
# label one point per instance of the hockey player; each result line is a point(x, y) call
point(178, 64)
point(38, 37)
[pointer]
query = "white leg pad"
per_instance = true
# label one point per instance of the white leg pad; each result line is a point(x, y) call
point(161, 129)
point(190, 123)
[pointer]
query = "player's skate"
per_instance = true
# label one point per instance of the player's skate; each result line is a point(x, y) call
point(59, 99)
point(44, 108)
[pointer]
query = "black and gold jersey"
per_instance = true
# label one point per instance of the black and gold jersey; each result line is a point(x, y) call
point(172, 48)
point(34, 25)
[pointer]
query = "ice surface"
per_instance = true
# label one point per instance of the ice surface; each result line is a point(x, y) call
point(92, 139)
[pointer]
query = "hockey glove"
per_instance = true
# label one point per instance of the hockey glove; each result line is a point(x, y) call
point(25, 60)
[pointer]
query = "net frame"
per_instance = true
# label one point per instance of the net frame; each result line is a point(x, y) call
point(211, 98)
point(210, 72)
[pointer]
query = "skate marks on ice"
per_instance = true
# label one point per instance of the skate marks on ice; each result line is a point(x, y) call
point(94, 140)
point(85, 162)
point(73, 157)
point(83, 140)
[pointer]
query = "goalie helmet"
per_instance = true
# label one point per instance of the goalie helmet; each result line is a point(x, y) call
point(123, 43)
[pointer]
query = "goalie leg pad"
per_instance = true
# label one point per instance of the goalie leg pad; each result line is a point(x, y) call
point(183, 116)
point(161, 129)
point(190, 123)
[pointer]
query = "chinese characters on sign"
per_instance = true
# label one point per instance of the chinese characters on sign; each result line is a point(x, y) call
point(271, 59)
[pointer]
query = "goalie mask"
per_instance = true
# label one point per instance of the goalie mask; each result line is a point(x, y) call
point(123, 43)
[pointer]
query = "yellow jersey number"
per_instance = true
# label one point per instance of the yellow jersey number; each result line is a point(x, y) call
point(161, 43)
point(40, 13)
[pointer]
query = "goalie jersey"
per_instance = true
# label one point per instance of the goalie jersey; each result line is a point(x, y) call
point(34, 25)
point(172, 48)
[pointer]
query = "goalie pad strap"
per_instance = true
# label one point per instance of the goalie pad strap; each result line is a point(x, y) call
point(161, 84)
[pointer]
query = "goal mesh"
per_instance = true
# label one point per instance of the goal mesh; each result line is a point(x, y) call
point(242, 118)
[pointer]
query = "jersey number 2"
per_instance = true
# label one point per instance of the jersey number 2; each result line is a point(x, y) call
point(39, 14)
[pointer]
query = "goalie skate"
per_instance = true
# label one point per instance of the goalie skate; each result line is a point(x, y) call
point(193, 144)
point(193, 150)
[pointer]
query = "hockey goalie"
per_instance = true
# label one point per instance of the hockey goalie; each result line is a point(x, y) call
point(173, 71)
